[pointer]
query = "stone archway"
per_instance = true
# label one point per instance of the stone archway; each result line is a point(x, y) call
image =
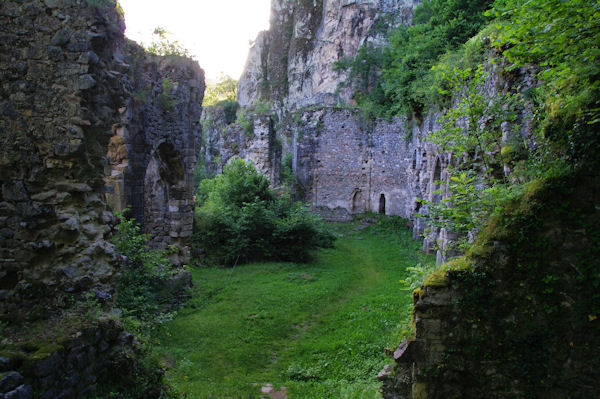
point(382, 204)
point(358, 201)
point(435, 182)
point(164, 193)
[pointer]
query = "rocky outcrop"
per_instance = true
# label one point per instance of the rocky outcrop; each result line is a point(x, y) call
point(85, 113)
point(292, 64)
point(251, 137)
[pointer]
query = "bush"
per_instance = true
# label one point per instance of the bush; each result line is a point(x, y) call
point(240, 219)
point(143, 293)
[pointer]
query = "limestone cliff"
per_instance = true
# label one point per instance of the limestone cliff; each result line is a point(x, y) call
point(292, 64)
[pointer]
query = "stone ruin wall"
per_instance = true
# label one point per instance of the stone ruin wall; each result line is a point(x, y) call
point(58, 108)
point(79, 104)
point(225, 140)
point(154, 151)
point(343, 165)
point(346, 166)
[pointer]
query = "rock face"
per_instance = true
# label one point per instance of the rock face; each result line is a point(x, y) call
point(292, 64)
point(78, 105)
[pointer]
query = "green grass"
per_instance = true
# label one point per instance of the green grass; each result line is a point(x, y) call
point(319, 329)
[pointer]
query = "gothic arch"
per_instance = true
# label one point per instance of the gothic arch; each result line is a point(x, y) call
point(164, 190)
point(358, 201)
point(435, 183)
point(382, 204)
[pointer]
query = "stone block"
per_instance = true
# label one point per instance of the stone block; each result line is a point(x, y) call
point(10, 381)
point(22, 392)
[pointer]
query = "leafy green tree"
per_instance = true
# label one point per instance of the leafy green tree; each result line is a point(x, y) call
point(398, 79)
point(164, 46)
point(240, 219)
point(439, 26)
point(224, 90)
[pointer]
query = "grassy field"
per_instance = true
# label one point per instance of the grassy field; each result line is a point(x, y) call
point(317, 329)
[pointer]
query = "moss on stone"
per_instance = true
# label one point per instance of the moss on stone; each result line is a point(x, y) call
point(439, 278)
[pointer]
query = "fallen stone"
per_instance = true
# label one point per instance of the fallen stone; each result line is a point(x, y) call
point(73, 187)
point(86, 82)
point(386, 372)
point(22, 392)
point(10, 381)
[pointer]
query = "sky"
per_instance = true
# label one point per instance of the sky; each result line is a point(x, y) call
point(216, 32)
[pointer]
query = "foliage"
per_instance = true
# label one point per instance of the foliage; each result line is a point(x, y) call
point(164, 46)
point(111, 3)
point(561, 39)
point(246, 121)
point(229, 110)
point(287, 174)
point(142, 293)
point(397, 80)
point(475, 130)
point(225, 89)
point(319, 328)
point(167, 98)
point(240, 219)
point(417, 275)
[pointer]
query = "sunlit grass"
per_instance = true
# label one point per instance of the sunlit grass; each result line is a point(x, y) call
point(318, 329)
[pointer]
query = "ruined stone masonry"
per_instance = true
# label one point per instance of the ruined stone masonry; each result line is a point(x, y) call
point(152, 156)
point(515, 318)
point(88, 120)
point(89, 124)
point(226, 139)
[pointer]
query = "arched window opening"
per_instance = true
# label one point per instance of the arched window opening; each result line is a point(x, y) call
point(382, 204)
point(357, 201)
point(437, 176)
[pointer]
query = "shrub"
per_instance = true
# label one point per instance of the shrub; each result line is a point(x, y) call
point(143, 294)
point(167, 99)
point(240, 219)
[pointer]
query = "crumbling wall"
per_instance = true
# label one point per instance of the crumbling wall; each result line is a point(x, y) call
point(59, 100)
point(76, 364)
point(254, 140)
point(517, 317)
point(345, 165)
point(154, 150)
point(89, 123)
